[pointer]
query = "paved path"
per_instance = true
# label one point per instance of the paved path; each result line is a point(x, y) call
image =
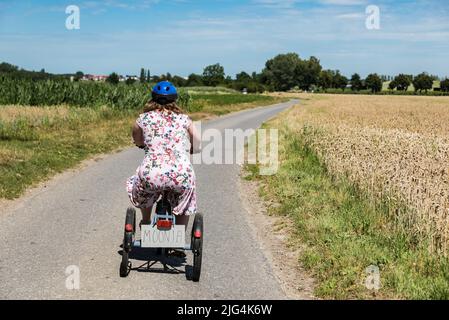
point(78, 220)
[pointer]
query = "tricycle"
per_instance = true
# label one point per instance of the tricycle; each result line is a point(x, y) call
point(163, 235)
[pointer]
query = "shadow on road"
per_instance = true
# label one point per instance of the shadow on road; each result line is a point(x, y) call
point(153, 261)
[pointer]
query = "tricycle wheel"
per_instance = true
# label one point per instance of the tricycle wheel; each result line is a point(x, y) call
point(131, 218)
point(197, 246)
point(130, 229)
point(124, 266)
point(128, 239)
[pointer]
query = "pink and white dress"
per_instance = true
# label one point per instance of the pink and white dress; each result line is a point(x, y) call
point(166, 165)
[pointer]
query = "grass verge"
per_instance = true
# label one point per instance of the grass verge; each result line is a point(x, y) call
point(343, 233)
point(33, 149)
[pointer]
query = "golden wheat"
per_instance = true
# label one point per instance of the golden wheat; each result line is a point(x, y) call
point(396, 149)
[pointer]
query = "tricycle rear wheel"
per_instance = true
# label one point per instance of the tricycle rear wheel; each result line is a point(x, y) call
point(197, 246)
point(128, 239)
point(124, 265)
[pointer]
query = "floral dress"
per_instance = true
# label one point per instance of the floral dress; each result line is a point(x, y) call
point(166, 165)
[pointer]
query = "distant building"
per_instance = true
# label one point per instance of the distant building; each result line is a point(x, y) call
point(132, 77)
point(93, 77)
point(100, 78)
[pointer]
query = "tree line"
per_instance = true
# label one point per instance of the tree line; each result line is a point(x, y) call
point(284, 72)
point(13, 72)
point(288, 71)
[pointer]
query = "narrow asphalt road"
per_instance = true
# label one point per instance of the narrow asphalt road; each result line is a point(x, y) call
point(78, 220)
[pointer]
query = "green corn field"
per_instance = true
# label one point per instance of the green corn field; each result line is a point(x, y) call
point(79, 94)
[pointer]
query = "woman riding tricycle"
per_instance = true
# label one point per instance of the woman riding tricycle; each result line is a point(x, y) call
point(168, 137)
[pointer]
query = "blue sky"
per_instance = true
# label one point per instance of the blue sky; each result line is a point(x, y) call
point(183, 36)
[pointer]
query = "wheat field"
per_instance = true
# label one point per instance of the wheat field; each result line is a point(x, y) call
point(394, 149)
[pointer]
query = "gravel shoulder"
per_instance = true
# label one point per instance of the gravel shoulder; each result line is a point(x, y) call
point(272, 234)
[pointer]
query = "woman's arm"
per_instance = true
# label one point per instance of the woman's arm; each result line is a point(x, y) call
point(138, 136)
point(195, 139)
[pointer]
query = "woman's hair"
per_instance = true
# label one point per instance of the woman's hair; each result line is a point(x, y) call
point(171, 107)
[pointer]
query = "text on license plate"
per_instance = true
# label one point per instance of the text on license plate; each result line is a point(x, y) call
point(152, 237)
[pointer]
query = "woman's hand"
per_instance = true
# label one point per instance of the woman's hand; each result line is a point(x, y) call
point(195, 139)
point(138, 136)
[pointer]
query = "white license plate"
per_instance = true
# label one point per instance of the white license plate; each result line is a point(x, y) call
point(152, 237)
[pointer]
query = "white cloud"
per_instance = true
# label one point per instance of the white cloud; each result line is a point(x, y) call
point(100, 6)
point(344, 2)
point(350, 16)
point(276, 4)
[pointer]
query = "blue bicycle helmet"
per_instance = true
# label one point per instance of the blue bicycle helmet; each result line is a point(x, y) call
point(164, 92)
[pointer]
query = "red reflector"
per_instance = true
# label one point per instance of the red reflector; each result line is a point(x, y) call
point(164, 224)
point(129, 228)
point(197, 234)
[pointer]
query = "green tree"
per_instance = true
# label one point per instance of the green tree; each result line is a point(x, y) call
point(194, 80)
point(311, 71)
point(339, 81)
point(401, 82)
point(16, 73)
point(444, 85)
point(243, 77)
point(242, 80)
point(168, 77)
point(423, 82)
point(113, 78)
point(308, 72)
point(392, 85)
point(79, 75)
point(281, 71)
point(245, 81)
point(213, 75)
point(179, 81)
point(156, 78)
point(148, 76)
point(130, 81)
point(8, 68)
point(374, 83)
point(286, 71)
point(325, 80)
point(142, 75)
point(356, 82)
point(228, 81)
